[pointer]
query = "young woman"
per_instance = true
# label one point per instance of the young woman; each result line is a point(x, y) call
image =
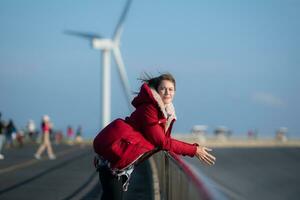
point(124, 144)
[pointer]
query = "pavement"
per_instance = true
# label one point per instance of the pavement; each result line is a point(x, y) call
point(239, 173)
point(253, 173)
point(70, 176)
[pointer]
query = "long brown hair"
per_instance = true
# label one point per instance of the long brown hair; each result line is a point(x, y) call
point(154, 82)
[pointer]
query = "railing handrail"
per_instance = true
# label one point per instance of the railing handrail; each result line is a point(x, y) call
point(178, 180)
point(202, 189)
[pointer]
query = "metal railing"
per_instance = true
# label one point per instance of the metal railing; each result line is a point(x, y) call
point(176, 179)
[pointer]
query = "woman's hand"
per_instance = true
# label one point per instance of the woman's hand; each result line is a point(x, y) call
point(203, 155)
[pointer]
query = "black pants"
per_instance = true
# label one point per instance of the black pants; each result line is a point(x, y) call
point(112, 185)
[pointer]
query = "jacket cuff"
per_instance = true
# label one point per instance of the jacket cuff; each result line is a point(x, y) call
point(195, 148)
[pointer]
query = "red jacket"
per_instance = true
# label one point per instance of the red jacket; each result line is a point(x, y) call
point(148, 128)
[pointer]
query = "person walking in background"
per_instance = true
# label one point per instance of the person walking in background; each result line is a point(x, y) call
point(58, 137)
point(78, 138)
point(46, 142)
point(20, 137)
point(2, 137)
point(70, 134)
point(124, 144)
point(31, 130)
point(10, 131)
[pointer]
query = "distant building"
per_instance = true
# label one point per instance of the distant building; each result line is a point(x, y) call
point(281, 134)
point(200, 131)
point(252, 134)
point(222, 133)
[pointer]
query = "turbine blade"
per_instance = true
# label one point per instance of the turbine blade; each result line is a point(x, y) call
point(82, 34)
point(118, 29)
point(123, 74)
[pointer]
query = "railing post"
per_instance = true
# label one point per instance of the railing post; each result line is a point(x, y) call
point(167, 178)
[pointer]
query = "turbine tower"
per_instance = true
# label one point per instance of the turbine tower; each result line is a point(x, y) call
point(107, 45)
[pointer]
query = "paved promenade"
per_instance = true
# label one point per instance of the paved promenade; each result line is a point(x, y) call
point(70, 176)
point(254, 173)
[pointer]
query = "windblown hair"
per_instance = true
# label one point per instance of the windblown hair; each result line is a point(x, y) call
point(154, 82)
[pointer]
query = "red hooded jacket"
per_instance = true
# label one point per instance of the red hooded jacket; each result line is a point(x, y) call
point(147, 130)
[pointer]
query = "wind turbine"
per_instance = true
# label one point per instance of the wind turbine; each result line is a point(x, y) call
point(107, 45)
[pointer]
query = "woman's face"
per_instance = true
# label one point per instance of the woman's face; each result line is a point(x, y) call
point(166, 91)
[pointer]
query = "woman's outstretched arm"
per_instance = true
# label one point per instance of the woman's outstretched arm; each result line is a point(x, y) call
point(153, 130)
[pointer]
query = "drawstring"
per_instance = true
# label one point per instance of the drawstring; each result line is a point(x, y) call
point(100, 162)
point(127, 172)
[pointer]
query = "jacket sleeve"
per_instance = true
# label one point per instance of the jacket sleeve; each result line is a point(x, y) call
point(154, 133)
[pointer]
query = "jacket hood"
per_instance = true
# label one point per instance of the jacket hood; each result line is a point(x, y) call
point(144, 96)
point(150, 96)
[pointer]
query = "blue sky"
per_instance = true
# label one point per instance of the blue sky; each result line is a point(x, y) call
point(236, 62)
